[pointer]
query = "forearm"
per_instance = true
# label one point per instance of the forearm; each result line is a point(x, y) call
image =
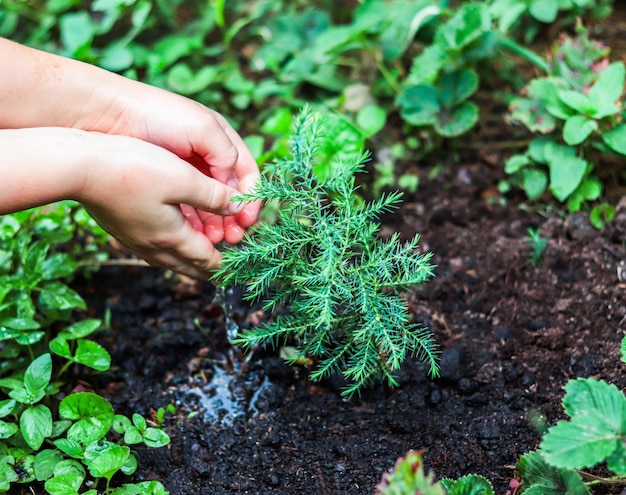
point(39, 89)
point(42, 165)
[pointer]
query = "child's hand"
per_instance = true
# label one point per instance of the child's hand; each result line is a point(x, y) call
point(194, 133)
point(132, 188)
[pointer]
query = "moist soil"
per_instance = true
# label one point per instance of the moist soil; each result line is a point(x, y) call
point(511, 334)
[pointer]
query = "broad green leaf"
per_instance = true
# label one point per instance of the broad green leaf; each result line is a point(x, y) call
point(544, 10)
point(92, 354)
point(458, 86)
point(72, 448)
point(566, 171)
point(36, 425)
point(616, 139)
point(105, 458)
point(132, 435)
point(93, 415)
point(616, 462)
point(371, 119)
point(58, 265)
point(6, 407)
point(533, 114)
point(578, 101)
point(598, 422)
point(38, 374)
point(579, 443)
point(25, 467)
point(60, 347)
point(58, 296)
point(64, 484)
point(70, 466)
point(81, 329)
point(419, 105)
point(155, 438)
point(577, 129)
point(607, 90)
point(182, 79)
point(116, 57)
point(534, 182)
point(139, 421)
point(460, 121)
point(537, 149)
point(130, 466)
point(604, 401)
point(141, 488)
point(121, 423)
point(539, 478)
point(470, 484)
point(46, 462)
point(77, 31)
point(7, 430)
point(19, 323)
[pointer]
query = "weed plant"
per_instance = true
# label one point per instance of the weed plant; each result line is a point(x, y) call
point(50, 438)
point(323, 262)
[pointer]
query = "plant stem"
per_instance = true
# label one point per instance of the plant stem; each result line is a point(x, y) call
point(531, 56)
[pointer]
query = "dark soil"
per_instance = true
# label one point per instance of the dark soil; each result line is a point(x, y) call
point(512, 335)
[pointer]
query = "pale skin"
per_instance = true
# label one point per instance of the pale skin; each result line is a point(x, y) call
point(158, 171)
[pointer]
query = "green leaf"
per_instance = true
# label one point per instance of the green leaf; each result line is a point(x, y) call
point(36, 425)
point(544, 10)
point(93, 415)
point(458, 86)
point(578, 101)
point(141, 488)
point(132, 435)
point(58, 296)
point(577, 129)
point(598, 422)
point(534, 182)
point(516, 162)
point(408, 476)
point(130, 466)
point(77, 31)
point(64, 484)
point(104, 458)
point(58, 265)
point(539, 478)
point(81, 329)
point(182, 79)
point(623, 349)
point(471, 484)
point(92, 354)
point(45, 463)
point(616, 139)
point(38, 374)
point(567, 171)
point(72, 448)
point(60, 347)
point(371, 119)
point(419, 105)
point(7, 430)
point(607, 90)
point(121, 423)
point(155, 438)
point(460, 121)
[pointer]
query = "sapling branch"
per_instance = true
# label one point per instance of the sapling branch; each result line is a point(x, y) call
point(323, 262)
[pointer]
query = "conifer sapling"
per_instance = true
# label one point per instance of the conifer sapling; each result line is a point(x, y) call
point(338, 285)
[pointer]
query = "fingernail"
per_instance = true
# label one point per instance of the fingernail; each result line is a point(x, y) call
point(233, 182)
point(236, 204)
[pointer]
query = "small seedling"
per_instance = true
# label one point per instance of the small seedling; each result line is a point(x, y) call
point(323, 262)
point(538, 246)
point(408, 477)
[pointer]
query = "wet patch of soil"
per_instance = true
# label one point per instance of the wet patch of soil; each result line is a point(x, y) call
point(512, 335)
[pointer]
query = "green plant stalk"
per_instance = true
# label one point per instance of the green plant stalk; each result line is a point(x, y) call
point(529, 55)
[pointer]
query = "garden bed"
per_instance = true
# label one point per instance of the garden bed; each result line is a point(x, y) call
point(511, 334)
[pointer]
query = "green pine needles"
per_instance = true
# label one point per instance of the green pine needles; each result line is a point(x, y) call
point(322, 261)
